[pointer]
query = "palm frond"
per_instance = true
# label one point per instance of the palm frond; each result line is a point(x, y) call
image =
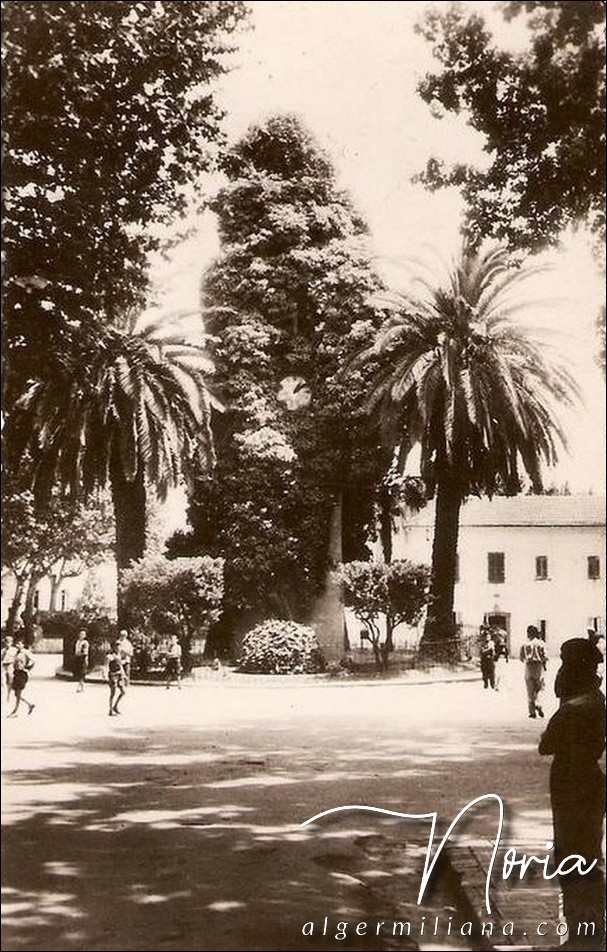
point(454, 366)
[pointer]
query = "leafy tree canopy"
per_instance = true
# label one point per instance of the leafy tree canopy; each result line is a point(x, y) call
point(122, 408)
point(59, 540)
point(397, 590)
point(478, 391)
point(541, 111)
point(173, 595)
point(34, 540)
point(285, 303)
point(109, 121)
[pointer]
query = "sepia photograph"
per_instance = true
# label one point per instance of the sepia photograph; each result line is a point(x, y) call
point(303, 475)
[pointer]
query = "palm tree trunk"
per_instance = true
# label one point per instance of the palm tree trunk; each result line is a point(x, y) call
point(385, 523)
point(128, 498)
point(439, 631)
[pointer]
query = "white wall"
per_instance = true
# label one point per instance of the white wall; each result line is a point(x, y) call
point(566, 600)
point(104, 576)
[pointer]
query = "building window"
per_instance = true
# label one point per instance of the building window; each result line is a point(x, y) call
point(541, 566)
point(63, 598)
point(496, 567)
point(36, 604)
point(542, 628)
point(594, 567)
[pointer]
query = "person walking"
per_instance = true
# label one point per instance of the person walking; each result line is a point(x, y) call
point(81, 659)
point(173, 665)
point(8, 658)
point(487, 659)
point(115, 677)
point(23, 662)
point(575, 738)
point(126, 649)
point(533, 655)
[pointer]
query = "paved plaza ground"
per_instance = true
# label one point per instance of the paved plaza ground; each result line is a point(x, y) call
point(178, 824)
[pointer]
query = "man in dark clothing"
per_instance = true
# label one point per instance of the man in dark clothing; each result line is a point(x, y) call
point(487, 657)
point(578, 671)
point(575, 736)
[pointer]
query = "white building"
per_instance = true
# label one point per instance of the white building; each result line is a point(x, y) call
point(100, 579)
point(523, 560)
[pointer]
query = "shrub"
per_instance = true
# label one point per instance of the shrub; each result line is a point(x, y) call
point(164, 596)
point(60, 624)
point(397, 590)
point(280, 647)
point(66, 625)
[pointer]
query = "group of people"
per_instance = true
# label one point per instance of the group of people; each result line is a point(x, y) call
point(117, 670)
point(117, 667)
point(18, 660)
point(494, 653)
point(575, 738)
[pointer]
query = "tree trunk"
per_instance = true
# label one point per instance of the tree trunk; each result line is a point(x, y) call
point(56, 579)
point(437, 642)
point(128, 498)
point(388, 646)
point(28, 610)
point(328, 612)
point(55, 583)
point(11, 618)
point(385, 534)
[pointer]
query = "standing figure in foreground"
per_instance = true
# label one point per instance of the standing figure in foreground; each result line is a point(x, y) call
point(23, 662)
point(114, 673)
point(173, 666)
point(487, 658)
point(81, 659)
point(575, 736)
point(533, 655)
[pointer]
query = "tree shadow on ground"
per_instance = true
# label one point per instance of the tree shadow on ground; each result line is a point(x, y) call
point(191, 839)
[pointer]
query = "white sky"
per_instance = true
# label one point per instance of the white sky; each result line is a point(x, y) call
point(350, 70)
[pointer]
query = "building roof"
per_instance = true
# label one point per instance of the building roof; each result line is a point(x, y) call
point(576, 510)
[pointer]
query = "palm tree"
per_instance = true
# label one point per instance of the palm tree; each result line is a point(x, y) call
point(122, 407)
point(476, 391)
